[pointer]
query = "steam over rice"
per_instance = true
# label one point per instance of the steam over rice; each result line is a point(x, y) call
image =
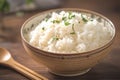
point(70, 32)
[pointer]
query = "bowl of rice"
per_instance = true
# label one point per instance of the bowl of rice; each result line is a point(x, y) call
point(68, 41)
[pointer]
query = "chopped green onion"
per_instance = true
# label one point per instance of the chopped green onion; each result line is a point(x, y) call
point(66, 23)
point(46, 19)
point(72, 33)
point(84, 19)
point(43, 28)
point(55, 38)
point(63, 18)
point(56, 21)
point(70, 16)
point(70, 13)
point(73, 29)
point(73, 16)
point(91, 20)
point(32, 25)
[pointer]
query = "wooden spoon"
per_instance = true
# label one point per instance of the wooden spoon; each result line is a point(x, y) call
point(7, 60)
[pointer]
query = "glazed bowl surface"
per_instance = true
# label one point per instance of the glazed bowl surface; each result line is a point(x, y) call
point(66, 64)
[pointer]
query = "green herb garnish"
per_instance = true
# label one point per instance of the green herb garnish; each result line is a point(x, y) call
point(32, 25)
point(72, 33)
point(73, 16)
point(70, 16)
point(56, 21)
point(46, 19)
point(70, 13)
point(64, 18)
point(55, 38)
point(73, 29)
point(43, 28)
point(66, 23)
point(91, 20)
point(84, 19)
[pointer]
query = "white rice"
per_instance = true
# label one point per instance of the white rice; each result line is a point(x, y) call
point(70, 32)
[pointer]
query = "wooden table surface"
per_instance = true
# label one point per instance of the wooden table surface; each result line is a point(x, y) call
point(107, 69)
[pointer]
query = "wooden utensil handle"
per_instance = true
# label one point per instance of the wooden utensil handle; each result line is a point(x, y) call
point(24, 70)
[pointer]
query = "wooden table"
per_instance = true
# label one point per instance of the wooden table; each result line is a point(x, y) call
point(107, 69)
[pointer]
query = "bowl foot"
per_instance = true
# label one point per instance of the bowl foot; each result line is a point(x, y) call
point(71, 74)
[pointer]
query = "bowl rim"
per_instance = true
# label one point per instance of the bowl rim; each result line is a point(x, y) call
point(87, 53)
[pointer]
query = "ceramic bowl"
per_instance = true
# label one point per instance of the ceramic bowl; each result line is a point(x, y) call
point(66, 64)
